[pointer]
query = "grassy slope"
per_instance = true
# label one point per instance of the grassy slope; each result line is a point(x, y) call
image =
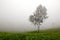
point(52, 34)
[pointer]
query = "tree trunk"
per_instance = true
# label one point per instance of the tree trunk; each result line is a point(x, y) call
point(38, 28)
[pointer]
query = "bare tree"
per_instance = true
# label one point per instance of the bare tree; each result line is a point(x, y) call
point(38, 16)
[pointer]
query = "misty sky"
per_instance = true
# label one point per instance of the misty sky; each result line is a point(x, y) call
point(14, 14)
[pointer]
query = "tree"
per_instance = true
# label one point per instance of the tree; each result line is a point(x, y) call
point(38, 16)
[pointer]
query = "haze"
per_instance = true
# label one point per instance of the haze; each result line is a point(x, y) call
point(14, 14)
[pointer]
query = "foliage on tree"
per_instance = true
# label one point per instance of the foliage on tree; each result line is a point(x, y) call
point(38, 16)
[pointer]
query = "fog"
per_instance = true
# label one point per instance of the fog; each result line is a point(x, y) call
point(14, 14)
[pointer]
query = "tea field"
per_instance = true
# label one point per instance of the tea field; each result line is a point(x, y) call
point(34, 35)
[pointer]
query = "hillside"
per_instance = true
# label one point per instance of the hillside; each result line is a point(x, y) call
point(51, 34)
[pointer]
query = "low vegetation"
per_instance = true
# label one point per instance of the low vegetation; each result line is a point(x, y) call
point(42, 35)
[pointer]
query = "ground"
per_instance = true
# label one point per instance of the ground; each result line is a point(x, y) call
point(52, 34)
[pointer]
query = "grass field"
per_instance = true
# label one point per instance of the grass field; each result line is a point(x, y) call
point(42, 35)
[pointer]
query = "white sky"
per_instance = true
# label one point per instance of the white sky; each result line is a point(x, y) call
point(14, 14)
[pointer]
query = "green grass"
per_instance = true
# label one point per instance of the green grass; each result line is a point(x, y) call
point(52, 34)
